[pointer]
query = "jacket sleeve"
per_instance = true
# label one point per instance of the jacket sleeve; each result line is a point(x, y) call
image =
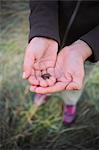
point(43, 19)
point(92, 39)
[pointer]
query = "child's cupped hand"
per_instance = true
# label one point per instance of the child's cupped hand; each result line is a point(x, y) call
point(40, 58)
point(68, 71)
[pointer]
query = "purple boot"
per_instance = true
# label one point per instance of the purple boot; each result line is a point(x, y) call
point(69, 115)
point(40, 99)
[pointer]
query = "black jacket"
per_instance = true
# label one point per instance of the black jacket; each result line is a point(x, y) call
point(50, 19)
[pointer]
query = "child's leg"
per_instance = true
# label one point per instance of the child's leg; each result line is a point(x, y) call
point(71, 98)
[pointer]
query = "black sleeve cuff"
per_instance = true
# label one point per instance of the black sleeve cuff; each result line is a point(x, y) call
point(92, 39)
point(43, 32)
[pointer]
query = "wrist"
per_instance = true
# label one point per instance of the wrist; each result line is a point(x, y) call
point(82, 49)
point(45, 39)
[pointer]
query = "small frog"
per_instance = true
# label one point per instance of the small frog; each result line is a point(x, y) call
point(46, 76)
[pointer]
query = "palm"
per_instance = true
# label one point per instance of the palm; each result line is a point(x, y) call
point(62, 81)
point(42, 52)
point(69, 72)
point(45, 54)
point(72, 69)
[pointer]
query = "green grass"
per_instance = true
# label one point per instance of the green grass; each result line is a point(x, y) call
point(45, 131)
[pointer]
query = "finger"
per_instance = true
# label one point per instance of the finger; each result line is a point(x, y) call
point(33, 88)
point(28, 63)
point(73, 86)
point(59, 86)
point(33, 81)
point(42, 82)
point(76, 84)
point(51, 81)
point(36, 82)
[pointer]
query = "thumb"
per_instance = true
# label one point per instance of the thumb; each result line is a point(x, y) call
point(28, 63)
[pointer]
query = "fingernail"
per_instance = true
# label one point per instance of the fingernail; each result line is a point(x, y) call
point(23, 76)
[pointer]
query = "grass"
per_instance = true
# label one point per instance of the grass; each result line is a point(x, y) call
point(45, 131)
